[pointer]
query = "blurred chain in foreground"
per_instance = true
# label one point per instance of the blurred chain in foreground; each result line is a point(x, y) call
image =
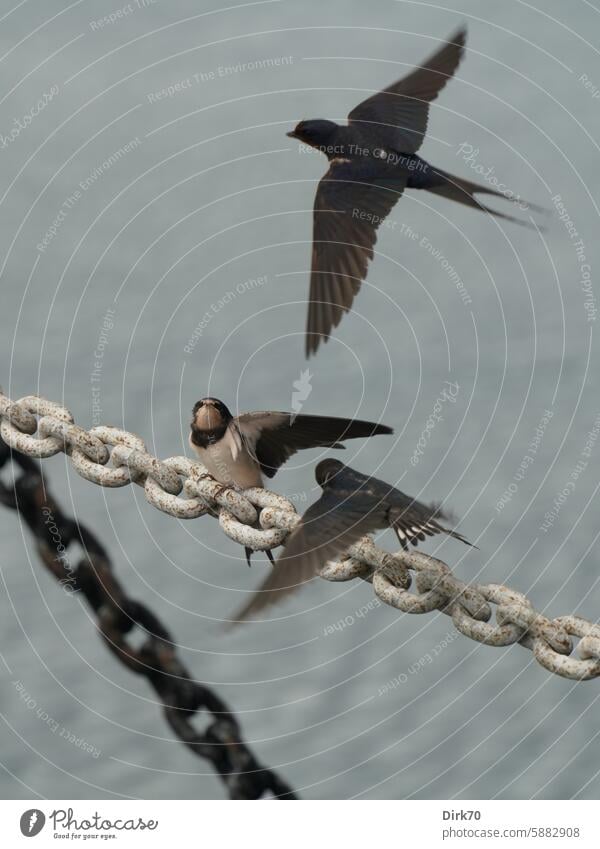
point(117, 616)
point(239, 513)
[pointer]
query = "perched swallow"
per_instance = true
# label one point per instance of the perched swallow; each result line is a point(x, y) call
point(351, 505)
point(238, 450)
point(372, 159)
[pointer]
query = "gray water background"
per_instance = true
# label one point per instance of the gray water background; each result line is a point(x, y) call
point(214, 195)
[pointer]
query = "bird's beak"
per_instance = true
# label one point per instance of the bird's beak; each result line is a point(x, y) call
point(291, 135)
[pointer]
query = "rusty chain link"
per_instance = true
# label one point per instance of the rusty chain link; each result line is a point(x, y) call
point(118, 616)
point(260, 520)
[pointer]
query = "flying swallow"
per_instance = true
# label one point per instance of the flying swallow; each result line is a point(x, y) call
point(372, 160)
point(351, 505)
point(240, 450)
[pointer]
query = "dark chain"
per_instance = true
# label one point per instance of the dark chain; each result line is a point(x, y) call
point(117, 616)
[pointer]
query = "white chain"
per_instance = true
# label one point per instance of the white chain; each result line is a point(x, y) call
point(260, 520)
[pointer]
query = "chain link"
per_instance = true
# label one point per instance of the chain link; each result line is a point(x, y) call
point(118, 617)
point(261, 520)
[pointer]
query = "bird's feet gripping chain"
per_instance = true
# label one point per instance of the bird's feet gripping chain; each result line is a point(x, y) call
point(217, 494)
point(224, 487)
point(250, 551)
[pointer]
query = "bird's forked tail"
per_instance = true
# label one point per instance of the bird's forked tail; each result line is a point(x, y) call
point(465, 191)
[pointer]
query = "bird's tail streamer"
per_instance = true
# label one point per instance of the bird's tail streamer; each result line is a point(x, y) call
point(465, 191)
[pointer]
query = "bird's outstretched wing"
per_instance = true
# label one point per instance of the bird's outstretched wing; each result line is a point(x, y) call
point(328, 529)
point(414, 521)
point(398, 114)
point(273, 437)
point(352, 200)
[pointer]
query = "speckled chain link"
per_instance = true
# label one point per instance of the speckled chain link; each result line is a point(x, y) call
point(261, 520)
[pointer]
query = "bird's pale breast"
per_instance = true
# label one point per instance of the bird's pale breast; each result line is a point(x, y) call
point(228, 465)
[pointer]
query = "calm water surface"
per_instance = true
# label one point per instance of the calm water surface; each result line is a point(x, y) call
point(155, 194)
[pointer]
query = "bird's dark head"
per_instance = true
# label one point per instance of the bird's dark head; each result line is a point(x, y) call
point(317, 133)
point(208, 415)
point(326, 470)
